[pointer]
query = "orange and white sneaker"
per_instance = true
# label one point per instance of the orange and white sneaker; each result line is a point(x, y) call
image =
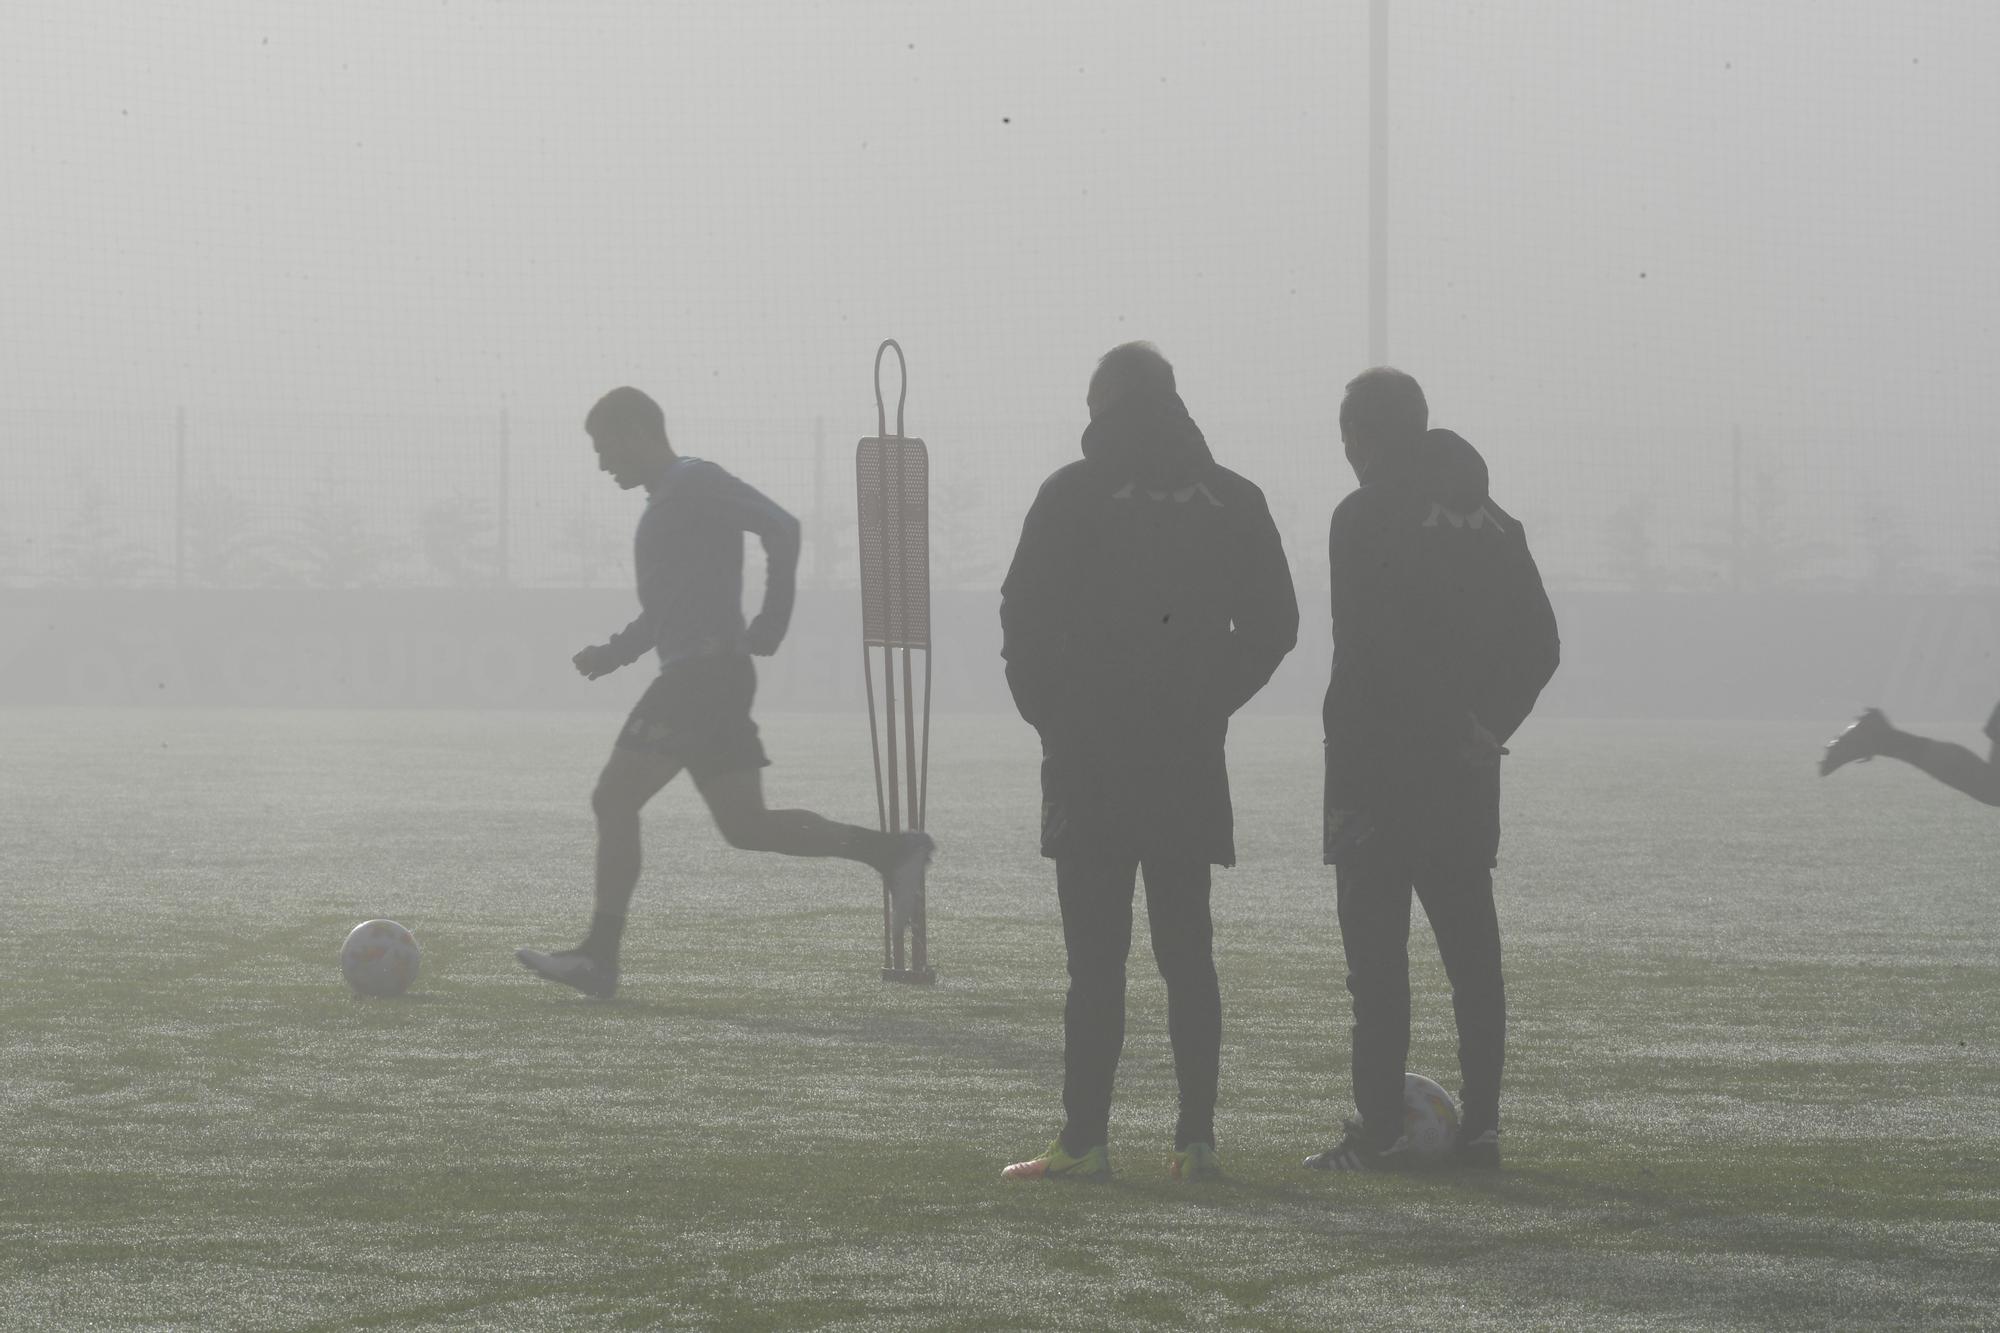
point(1861, 741)
point(1055, 1164)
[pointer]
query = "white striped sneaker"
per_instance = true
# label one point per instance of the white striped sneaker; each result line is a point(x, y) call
point(1355, 1152)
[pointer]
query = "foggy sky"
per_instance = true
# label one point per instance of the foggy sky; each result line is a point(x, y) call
point(1615, 227)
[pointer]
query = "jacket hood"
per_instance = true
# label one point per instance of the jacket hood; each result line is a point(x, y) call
point(1151, 439)
point(1444, 468)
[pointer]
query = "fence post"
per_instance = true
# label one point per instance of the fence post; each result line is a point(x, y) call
point(180, 495)
point(1736, 509)
point(1378, 182)
point(503, 532)
point(819, 503)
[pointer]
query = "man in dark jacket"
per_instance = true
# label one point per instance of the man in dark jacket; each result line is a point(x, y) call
point(1443, 639)
point(1149, 600)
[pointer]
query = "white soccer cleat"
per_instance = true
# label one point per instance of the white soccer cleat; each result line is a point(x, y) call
point(905, 877)
point(573, 968)
point(1861, 741)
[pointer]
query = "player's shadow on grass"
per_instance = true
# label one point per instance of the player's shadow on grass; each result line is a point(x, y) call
point(1595, 1205)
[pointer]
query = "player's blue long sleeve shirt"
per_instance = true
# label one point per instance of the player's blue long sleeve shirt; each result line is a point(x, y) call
point(688, 556)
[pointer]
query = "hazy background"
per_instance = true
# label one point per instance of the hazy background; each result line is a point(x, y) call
point(315, 295)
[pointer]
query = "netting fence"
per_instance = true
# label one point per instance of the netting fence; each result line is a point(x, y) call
point(1710, 284)
point(497, 498)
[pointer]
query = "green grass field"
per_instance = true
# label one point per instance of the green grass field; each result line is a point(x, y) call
point(1752, 1081)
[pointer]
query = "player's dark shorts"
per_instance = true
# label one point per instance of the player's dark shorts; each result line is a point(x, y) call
point(698, 714)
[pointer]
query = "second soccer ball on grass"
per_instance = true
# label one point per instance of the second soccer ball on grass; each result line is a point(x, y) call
point(1430, 1118)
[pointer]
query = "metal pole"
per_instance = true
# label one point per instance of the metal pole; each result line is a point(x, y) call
point(1378, 182)
point(912, 775)
point(895, 793)
point(924, 777)
point(916, 776)
point(819, 503)
point(892, 592)
point(180, 495)
point(881, 806)
point(1736, 509)
point(502, 537)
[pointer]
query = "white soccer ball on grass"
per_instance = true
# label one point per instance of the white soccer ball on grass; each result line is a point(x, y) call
point(1430, 1118)
point(380, 958)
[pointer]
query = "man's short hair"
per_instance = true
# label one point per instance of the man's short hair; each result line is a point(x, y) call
point(1128, 369)
point(630, 408)
point(1384, 407)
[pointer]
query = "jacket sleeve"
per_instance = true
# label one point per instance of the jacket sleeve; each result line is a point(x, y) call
point(1527, 647)
point(1036, 605)
point(1264, 622)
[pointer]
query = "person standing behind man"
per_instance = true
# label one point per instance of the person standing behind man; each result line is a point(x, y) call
point(1149, 599)
point(1442, 639)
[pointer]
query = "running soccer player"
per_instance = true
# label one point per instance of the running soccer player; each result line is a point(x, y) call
point(696, 715)
point(1953, 765)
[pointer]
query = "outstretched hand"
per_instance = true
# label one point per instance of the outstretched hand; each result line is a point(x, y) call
point(595, 661)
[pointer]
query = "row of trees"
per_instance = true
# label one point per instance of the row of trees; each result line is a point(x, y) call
point(330, 539)
point(219, 539)
point(1765, 548)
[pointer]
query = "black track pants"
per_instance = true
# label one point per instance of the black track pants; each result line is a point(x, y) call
point(1096, 895)
point(1375, 885)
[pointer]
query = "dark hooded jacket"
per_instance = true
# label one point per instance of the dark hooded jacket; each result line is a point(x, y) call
point(1148, 600)
point(1439, 618)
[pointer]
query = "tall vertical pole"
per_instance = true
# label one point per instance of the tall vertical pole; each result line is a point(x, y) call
point(503, 531)
point(1736, 509)
point(819, 503)
point(892, 597)
point(1378, 182)
point(180, 495)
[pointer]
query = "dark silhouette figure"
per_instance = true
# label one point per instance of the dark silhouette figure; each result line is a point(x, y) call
point(688, 556)
point(1953, 765)
point(1149, 599)
point(1443, 639)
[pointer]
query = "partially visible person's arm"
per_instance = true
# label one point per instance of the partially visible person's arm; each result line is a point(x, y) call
point(1264, 622)
point(1527, 647)
point(1035, 606)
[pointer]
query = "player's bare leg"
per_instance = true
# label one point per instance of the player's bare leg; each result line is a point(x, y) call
point(737, 802)
point(629, 780)
point(1953, 765)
